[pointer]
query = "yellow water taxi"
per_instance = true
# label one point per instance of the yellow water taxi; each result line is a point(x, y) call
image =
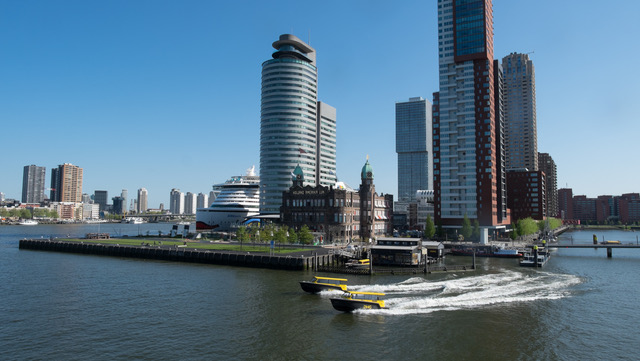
point(351, 301)
point(318, 284)
point(358, 264)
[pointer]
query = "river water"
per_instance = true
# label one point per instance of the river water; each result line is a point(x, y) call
point(57, 306)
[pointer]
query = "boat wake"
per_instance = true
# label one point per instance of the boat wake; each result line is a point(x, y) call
point(420, 296)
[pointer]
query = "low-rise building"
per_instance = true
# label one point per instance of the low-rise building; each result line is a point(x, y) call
point(397, 252)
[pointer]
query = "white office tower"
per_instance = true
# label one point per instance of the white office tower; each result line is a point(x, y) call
point(294, 128)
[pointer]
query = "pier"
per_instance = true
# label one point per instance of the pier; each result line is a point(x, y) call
point(310, 260)
point(609, 247)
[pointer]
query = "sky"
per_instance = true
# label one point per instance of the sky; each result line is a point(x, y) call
point(166, 94)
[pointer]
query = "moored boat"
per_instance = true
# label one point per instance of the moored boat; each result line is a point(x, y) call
point(352, 301)
point(319, 284)
point(358, 264)
point(535, 258)
point(486, 251)
point(28, 222)
point(237, 200)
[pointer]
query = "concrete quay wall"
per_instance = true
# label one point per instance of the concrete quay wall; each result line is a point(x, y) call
point(181, 254)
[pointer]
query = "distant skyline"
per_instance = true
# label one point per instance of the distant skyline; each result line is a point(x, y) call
point(166, 95)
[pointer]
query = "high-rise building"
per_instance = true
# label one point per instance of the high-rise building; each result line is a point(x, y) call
point(66, 183)
point(326, 145)
point(190, 202)
point(521, 140)
point(466, 139)
point(118, 205)
point(565, 203)
point(101, 197)
point(176, 202)
point(203, 200)
point(33, 181)
point(414, 145)
point(548, 166)
point(527, 194)
point(142, 200)
point(294, 128)
point(125, 195)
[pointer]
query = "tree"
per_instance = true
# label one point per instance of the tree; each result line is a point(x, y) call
point(268, 231)
point(554, 223)
point(527, 226)
point(304, 235)
point(429, 228)
point(242, 235)
point(466, 228)
point(40, 212)
point(53, 214)
point(280, 235)
point(25, 213)
point(293, 236)
point(254, 233)
point(514, 232)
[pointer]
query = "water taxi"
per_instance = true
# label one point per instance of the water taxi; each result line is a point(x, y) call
point(351, 301)
point(611, 242)
point(358, 264)
point(318, 284)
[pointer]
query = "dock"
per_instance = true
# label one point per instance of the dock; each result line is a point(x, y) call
point(609, 247)
point(310, 260)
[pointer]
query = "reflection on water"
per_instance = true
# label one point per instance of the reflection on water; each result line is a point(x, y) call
point(69, 306)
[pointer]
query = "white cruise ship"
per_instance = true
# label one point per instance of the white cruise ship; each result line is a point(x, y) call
point(237, 200)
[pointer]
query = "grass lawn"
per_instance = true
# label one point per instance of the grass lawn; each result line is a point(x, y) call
point(191, 245)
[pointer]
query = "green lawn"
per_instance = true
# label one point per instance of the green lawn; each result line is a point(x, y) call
point(192, 245)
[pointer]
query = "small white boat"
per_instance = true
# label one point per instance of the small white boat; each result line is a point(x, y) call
point(28, 222)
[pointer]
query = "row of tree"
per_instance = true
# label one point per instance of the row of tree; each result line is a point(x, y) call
point(25, 213)
point(471, 231)
point(280, 234)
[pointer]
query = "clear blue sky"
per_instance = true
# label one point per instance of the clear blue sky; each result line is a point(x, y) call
point(163, 94)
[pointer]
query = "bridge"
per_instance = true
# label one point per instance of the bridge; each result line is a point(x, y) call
point(609, 247)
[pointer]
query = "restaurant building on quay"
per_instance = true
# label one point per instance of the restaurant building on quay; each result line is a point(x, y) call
point(338, 214)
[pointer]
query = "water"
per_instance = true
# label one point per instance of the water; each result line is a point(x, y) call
point(57, 306)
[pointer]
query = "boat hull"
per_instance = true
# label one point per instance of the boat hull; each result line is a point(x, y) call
point(313, 287)
point(347, 305)
point(225, 221)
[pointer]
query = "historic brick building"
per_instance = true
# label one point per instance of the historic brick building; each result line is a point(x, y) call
point(338, 214)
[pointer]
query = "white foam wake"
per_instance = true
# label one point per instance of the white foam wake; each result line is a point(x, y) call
point(418, 295)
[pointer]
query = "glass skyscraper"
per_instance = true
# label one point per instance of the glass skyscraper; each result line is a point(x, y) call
point(294, 128)
point(521, 140)
point(414, 144)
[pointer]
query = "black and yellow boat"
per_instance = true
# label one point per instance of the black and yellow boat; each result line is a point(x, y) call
point(351, 301)
point(318, 284)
